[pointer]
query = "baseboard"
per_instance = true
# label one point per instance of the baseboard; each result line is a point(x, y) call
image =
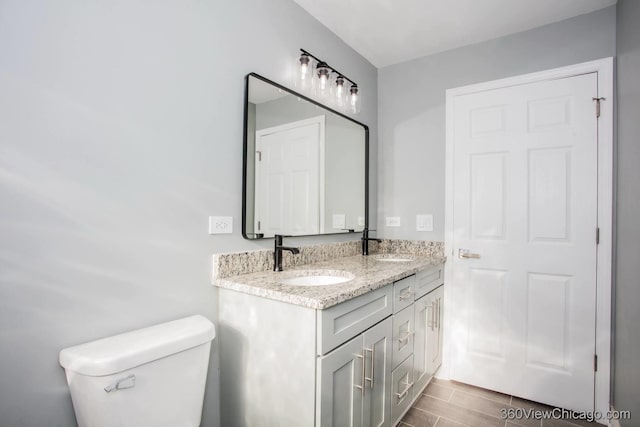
point(614, 423)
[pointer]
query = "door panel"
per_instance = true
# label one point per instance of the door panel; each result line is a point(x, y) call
point(434, 338)
point(340, 391)
point(376, 405)
point(423, 323)
point(486, 321)
point(549, 195)
point(488, 175)
point(287, 179)
point(548, 309)
point(525, 201)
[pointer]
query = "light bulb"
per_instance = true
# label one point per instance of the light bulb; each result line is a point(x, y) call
point(323, 71)
point(304, 79)
point(339, 92)
point(354, 100)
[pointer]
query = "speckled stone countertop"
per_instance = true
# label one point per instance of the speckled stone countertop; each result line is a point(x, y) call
point(367, 271)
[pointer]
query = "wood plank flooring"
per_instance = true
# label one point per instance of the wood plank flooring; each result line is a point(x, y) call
point(453, 404)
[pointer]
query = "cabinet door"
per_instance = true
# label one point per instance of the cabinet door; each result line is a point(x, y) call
point(341, 385)
point(377, 347)
point(423, 325)
point(434, 337)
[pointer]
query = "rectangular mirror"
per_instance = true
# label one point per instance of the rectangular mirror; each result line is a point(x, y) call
point(305, 166)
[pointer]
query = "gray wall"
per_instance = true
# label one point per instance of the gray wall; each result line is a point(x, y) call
point(411, 108)
point(120, 132)
point(626, 395)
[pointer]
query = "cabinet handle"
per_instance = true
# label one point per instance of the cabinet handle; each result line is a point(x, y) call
point(406, 337)
point(438, 320)
point(432, 322)
point(405, 391)
point(361, 386)
point(405, 294)
point(373, 356)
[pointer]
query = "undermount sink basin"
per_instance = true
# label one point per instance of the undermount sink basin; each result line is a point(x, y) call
point(394, 258)
point(317, 278)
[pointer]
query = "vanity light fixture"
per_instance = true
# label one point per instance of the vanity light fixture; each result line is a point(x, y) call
point(318, 79)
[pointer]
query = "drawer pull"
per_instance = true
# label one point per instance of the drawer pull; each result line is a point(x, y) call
point(405, 338)
point(401, 395)
point(432, 317)
point(373, 358)
point(361, 386)
point(406, 294)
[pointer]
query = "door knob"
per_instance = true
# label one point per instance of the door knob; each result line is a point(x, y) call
point(465, 253)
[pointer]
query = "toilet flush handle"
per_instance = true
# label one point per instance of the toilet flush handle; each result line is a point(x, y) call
point(122, 383)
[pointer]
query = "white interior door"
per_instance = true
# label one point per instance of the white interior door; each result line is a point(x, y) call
point(525, 203)
point(288, 178)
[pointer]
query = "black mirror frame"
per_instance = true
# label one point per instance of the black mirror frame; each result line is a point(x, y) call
point(245, 150)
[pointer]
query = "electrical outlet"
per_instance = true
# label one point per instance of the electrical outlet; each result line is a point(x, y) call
point(392, 221)
point(424, 222)
point(220, 224)
point(361, 221)
point(339, 221)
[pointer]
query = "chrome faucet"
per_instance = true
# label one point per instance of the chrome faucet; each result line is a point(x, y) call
point(365, 241)
point(277, 254)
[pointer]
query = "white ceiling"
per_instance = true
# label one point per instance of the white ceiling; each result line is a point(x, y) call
point(390, 31)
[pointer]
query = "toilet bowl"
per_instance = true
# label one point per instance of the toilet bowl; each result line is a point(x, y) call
point(152, 377)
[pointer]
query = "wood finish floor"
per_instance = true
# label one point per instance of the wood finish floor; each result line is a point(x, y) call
point(452, 404)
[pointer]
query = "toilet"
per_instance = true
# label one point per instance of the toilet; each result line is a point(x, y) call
point(151, 377)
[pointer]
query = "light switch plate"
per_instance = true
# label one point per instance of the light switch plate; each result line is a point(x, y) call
point(339, 221)
point(424, 222)
point(392, 221)
point(220, 224)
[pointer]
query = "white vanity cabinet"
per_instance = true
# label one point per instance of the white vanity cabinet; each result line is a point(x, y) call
point(354, 364)
point(421, 324)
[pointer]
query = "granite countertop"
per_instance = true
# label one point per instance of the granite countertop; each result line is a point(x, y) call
point(368, 274)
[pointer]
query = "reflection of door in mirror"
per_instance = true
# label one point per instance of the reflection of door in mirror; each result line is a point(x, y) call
point(304, 165)
point(289, 178)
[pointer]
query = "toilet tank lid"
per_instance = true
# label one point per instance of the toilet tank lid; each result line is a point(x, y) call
point(125, 351)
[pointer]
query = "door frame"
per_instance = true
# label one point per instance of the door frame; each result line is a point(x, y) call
point(604, 69)
point(321, 122)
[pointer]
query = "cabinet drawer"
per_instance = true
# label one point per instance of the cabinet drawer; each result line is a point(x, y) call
point(343, 321)
point(401, 389)
point(428, 280)
point(403, 293)
point(403, 335)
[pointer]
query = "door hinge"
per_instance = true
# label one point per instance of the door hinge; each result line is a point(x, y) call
point(595, 363)
point(597, 235)
point(598, 105)
point(259, 153)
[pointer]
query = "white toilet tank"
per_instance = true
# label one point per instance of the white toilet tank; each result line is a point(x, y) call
point(151, 377)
